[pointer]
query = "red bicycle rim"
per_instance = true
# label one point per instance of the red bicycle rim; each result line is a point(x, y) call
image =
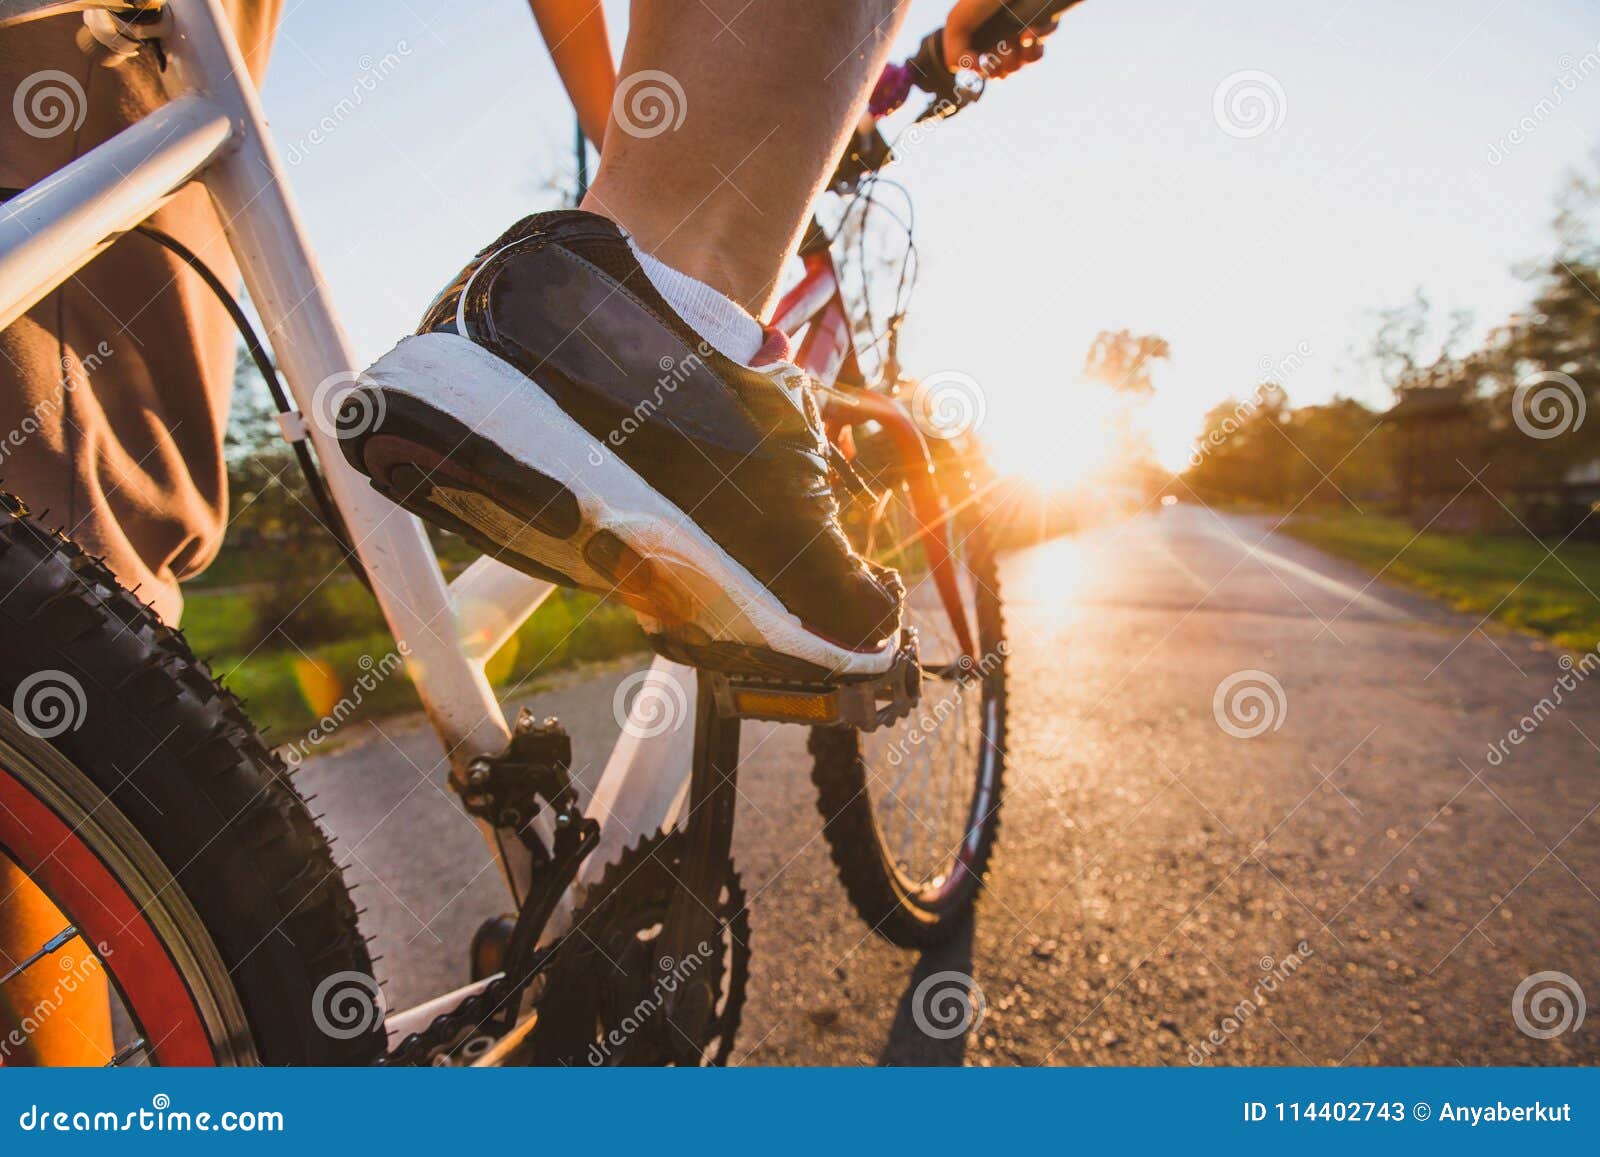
point(80, 884)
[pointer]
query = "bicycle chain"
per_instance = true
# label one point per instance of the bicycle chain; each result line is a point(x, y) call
point(445, 1030)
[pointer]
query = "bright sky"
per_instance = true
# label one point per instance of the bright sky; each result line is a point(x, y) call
point(1096, 191)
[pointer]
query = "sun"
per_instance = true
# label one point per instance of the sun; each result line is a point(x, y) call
point(1059, 440)
point(1050, 442)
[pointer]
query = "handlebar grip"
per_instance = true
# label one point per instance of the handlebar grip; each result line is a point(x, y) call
point(928, 69)
point(1014, 17)
point(931, 72)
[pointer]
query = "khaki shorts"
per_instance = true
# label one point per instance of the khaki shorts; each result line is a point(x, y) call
point(114, 389)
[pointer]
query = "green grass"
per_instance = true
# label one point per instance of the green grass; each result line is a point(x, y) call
point(223, 623)
point(1514, 579)
point(287, 689)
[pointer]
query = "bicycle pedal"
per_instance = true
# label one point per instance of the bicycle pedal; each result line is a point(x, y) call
point(866, 704)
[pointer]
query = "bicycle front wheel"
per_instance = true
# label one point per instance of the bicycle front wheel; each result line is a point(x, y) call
point(912, 810)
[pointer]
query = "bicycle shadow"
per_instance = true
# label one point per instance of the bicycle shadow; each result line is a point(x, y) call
point(935, 1015)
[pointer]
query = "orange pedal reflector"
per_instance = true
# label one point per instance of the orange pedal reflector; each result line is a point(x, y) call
point(786, 707)
point(865, 704)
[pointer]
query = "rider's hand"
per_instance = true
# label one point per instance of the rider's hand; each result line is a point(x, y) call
point(964, 20)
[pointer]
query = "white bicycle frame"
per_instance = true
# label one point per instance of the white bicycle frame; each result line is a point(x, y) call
point(211, 130)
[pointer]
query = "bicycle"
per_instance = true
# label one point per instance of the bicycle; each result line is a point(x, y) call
point(170, 834)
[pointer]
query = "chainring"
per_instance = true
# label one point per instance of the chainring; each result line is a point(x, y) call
point(605, 996)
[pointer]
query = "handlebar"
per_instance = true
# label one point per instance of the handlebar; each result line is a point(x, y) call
point(868, 152)
point(931, 72)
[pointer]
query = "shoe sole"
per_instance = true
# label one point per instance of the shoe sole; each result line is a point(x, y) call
point(543, 496)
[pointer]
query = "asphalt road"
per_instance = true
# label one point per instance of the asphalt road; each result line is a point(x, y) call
point(1360, 883)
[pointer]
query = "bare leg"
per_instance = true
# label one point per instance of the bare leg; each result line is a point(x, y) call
point(767, 94)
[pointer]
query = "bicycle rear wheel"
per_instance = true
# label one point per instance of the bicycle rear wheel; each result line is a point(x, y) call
point(912, 810)
point(138, 798)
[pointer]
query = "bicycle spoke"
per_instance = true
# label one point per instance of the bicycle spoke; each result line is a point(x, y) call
point(51, 945)
point(893, 794)
point(921, 800)
point(127, 1052)
point(908, 836)
point(952, 770)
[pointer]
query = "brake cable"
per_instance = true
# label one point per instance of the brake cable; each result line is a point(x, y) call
point(289, 421)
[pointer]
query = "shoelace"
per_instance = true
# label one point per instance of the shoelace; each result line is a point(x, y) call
point(843, 468)
point(800, 386)
point(847, 473)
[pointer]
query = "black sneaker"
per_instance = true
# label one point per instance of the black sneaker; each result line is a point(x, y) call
point(557, 413)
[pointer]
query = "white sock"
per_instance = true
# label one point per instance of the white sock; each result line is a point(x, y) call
point(724, 324)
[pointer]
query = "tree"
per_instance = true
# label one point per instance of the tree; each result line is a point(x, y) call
point(1244, 451)
point(1339, 454)
point(1124, 361)
point(1399, 346)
